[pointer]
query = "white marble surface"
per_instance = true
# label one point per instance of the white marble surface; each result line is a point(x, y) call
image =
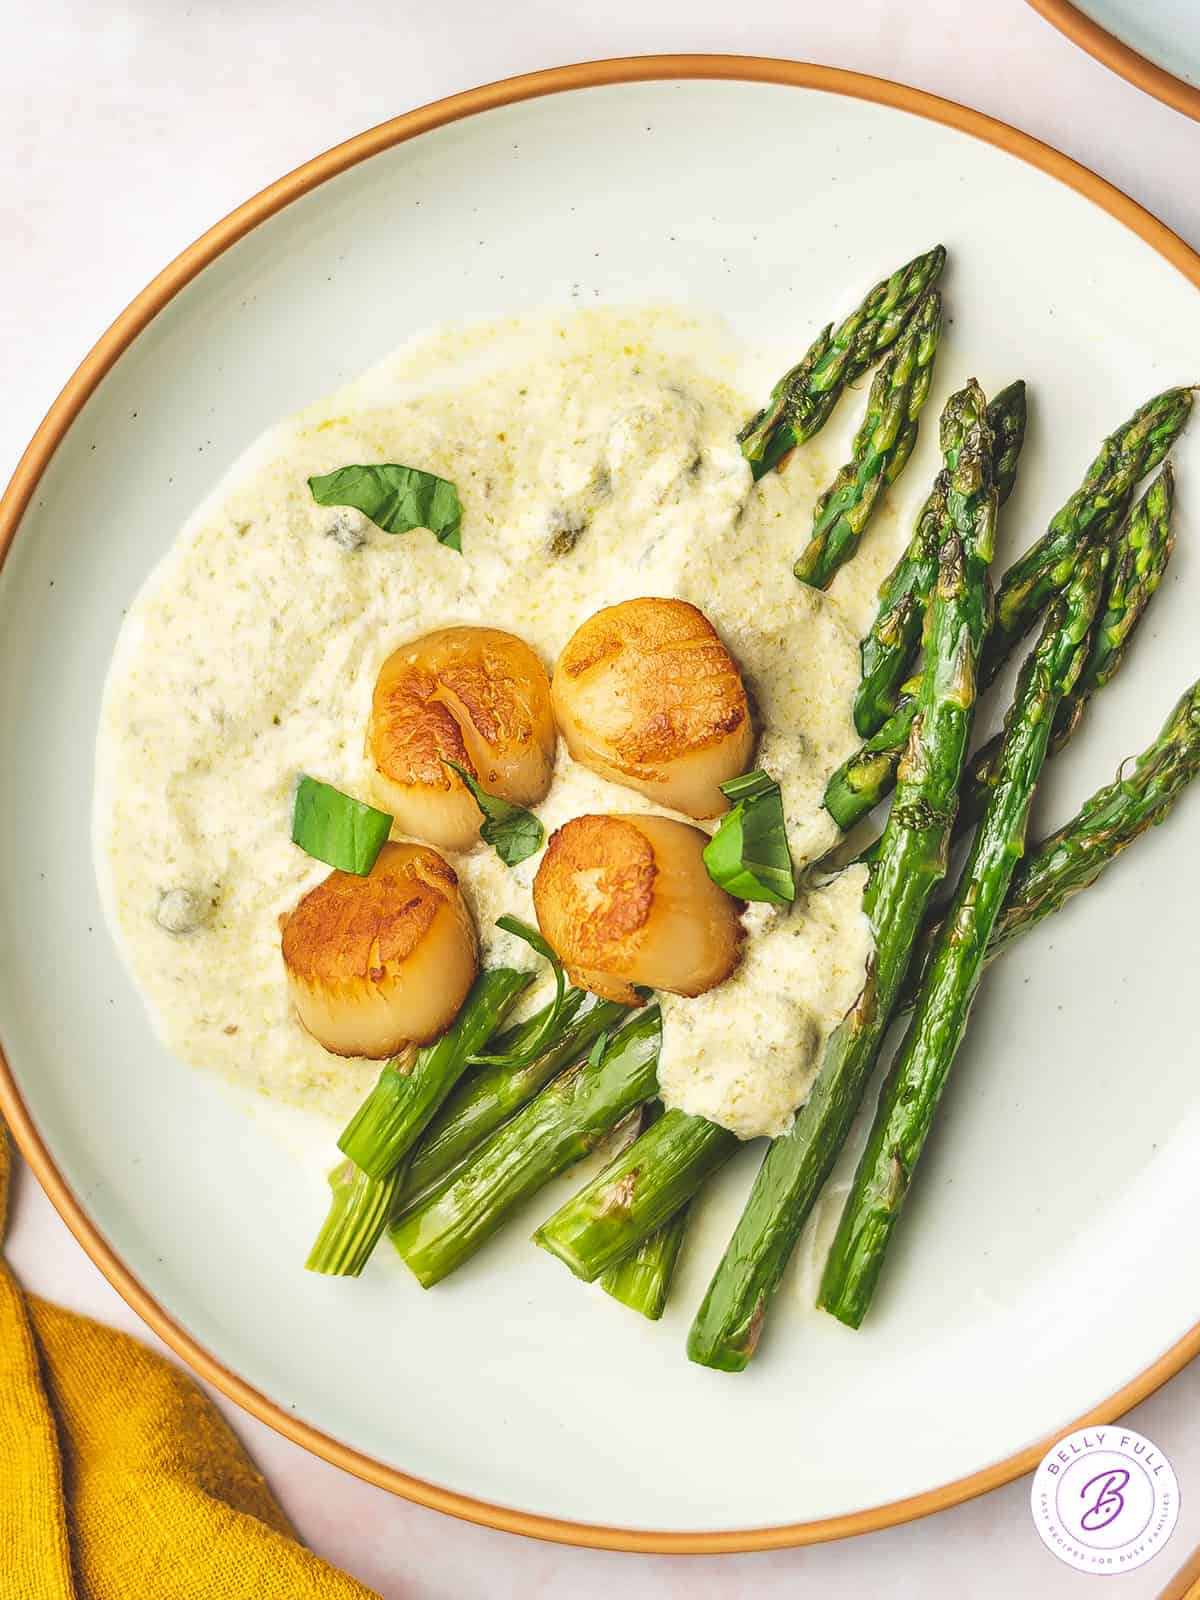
point(126, 130)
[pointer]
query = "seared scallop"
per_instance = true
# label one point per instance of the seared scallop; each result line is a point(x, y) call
point(380, 962)
point(645, 693)
point(477, 696)
point(627, 900)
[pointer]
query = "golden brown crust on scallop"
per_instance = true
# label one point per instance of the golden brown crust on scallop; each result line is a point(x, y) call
point(380, 963)
point(680, 688)
point(627, 900)
point(499, 689)
point(593, 892)
point(349, 927)
point(411, 730)
point(458, 692)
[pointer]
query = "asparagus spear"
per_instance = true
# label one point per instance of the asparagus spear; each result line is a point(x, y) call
point(912, 860)
point(1091, 513)
point(559, 1126)
point(484, 1099)
point(1007, 417)
point(914, 1085)
point(636, 1194)
point(358, 1214)
point(410, 1090)
point(882, 446)
point(863, 779)
point(1068, 861)
point(1065, 863)
point(1075, 856)
point(801, 401)
point(362, 1207)
point(642, 1280)
point(1140, 553)
point(1141, 549)
point(889, 649)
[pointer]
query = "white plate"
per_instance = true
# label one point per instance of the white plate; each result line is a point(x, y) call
point(1153, 43)
point(1049, 1258)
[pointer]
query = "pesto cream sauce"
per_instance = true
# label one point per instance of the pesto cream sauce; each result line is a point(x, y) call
point(596, 460)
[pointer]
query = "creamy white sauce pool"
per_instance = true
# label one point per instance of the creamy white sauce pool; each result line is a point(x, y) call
point(596, 461)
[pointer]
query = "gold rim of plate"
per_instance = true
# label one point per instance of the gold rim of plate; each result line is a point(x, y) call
point(1119, 57)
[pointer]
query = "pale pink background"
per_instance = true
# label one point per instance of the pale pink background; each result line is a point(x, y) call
point(125, 130)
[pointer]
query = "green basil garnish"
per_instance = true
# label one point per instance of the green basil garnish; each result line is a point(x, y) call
point(748, 855)
point(337, 829)
point(596, 1053)
point(513, 833)
point(396, 499)
point(515, 1060)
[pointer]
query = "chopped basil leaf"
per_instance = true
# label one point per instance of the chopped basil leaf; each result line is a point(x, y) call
point(337, 829)
point(514, 833)
point(531, 936)
point(396, 499)
point(596, 1053)
point(748, 855)
point(515, 1060)
point(749, 786)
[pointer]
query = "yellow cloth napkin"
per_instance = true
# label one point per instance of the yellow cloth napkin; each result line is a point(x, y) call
point(120, 1481)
